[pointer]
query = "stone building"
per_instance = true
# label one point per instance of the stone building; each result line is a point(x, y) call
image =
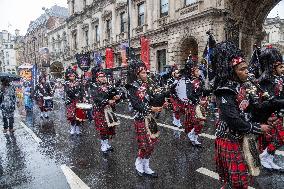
point(8, 61)
point(174, 27)
point(274, 33)
point(36, 37)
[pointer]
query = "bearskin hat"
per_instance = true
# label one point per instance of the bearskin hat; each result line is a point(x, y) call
point(189, 66)
point(224, 57)
point(70, 71)
point(269, 58)
point(134, 68)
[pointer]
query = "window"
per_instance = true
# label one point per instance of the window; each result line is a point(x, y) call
point(84, 3)
point(87, 37)
point(108, 28)
point(6, 46)
point(72, 7)
point(161, 59)
point(97, 34)
point(122, 22)
point(53, 44)
point(141, 14)
point(75, 40)
point(189, 2)
point(11, 46)
point(164, 7)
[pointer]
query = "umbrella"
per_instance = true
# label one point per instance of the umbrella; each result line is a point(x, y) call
point(9, 76)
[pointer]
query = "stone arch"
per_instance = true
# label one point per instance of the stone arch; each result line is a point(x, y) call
point(243, 21)
point(56, 69)
point(188, 45)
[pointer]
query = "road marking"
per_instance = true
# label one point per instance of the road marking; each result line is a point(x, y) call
point(211, 174)
point(212, 137)
point(73, 180)
point(36, 138)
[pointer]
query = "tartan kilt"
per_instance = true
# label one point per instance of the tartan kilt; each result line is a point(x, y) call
point(273, 139)
point(40, 104)
point(71, 111)
point(145, 142)
point(175, 104)
point(230, 163)
point(101, 124)
point(190, 120)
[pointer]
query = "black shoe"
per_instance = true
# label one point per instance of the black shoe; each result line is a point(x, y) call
point(153, 175)
point(139, 173)
point(46, 117)
point(110, 149)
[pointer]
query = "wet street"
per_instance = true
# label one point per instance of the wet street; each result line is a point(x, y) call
point(42, 154)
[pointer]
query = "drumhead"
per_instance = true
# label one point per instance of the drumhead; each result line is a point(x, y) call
point(84, 105)
point(47, 97)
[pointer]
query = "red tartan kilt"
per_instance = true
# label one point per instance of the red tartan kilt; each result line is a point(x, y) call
point(190, 120)
point(70, 111)
point(230, 162)
point(143, 138)
point(176, 104)
point(101, 124)
point(40, 103)
point(272, 138)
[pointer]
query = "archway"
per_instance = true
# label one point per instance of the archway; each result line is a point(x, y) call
point(244, 20)
point(56, 69)
point(188, 46)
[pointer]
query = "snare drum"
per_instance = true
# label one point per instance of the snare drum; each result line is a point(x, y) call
point(81, 111)
point(47, 102)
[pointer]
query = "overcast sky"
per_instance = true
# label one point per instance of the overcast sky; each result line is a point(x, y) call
point(19, 13)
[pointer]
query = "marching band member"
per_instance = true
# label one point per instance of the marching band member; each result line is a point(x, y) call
point(235, 121)
point(140, 92)
point(105, 120)
point(271, 61)
point(44, 95)
point(74, 95)
point(189, 90)
point(173, 98)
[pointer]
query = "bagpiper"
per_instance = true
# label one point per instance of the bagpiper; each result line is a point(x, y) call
point(146, 103)
point(74, 95)
point(231, 72)
point(189, 90)
point(44, 96)
point(271, 81)
point(104, 97)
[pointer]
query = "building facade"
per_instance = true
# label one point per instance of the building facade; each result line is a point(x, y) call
point(8, 63)
point(37, 38)
point(274, 33)
point(175, 28)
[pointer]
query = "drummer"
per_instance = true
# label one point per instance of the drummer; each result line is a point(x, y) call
point(44, 96)
point(105, 120)
point(74, 95)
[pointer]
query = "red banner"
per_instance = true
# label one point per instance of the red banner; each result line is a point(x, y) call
point(109, 58)
point(123, 47)
point(145, 51)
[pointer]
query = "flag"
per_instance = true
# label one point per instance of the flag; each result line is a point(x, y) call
point(123, 48)
point(109, 58)
point(145, 51)
point(98, 58)
point(211, 43)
